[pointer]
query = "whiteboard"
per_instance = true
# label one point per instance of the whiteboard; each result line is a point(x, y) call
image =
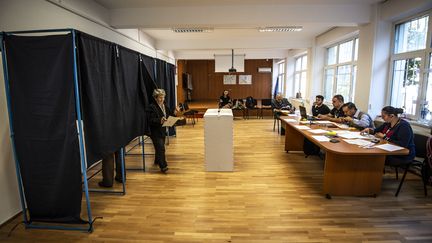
point(224, 62)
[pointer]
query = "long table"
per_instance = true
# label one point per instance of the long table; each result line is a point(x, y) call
point(349, 169)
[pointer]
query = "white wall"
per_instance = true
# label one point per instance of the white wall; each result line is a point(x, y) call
point(38, 14)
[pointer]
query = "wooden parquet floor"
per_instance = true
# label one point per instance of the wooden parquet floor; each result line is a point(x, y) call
point(271, 196)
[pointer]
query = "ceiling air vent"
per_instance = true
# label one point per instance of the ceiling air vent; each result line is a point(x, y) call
point(192, 30)
point(264, 69)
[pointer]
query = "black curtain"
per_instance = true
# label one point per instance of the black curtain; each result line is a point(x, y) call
point(114, 95)
point(44, 121)
point(147, 68)
point(165, 80)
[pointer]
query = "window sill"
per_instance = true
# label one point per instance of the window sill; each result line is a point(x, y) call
point(417, 126)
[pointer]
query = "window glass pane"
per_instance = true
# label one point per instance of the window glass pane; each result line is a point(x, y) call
point(331, 55)
point(426, 110)
point(298, 64)
point(353, 82)
point(356, 49)
point(343, 81)
point(328, 83)
point(282, 67)
point(296, 82)
point(405, 84)
point(411, 35)
point(303, 84)
point(304, 63)
point(345, 52)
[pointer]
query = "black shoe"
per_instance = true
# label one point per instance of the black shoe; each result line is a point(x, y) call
point(164, 169)
point(119, 179)
point(102, 184)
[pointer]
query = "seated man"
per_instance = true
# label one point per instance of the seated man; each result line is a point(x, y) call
point(279, 103)
point(319, 108)
point(336, 114)
point(356, 118)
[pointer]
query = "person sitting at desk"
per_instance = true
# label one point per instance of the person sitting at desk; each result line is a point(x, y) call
point(336, 113)
point(225, 100)
point(319, 107)
point(396, 131)
point(356, 118)
point(279, 103)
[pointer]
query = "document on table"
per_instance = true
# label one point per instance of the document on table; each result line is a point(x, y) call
point(171, 121)
point(350, 135)
point(290, 120)
point(389, 147)
point(317, 131)
point(300, 127)
point(341, 126)
point(321, 138)
point(323, 122)
point(359, 142)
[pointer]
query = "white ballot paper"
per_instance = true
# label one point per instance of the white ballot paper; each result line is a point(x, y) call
point(389, 147)
point(317, 131)
point(171, 121)
point(321, 138)
point(302, 127)
point(290, 120)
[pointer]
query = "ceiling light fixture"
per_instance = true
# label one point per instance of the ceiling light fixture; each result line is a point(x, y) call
point(192, 30)
point(280, 29)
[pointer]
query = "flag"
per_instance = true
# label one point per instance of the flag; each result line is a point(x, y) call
point(276, 88)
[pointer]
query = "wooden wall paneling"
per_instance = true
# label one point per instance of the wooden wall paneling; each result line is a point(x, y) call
point(181, 92)
point(208, 85)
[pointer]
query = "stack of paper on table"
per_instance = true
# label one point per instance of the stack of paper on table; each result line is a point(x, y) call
point(389, 147)
point(290, 120)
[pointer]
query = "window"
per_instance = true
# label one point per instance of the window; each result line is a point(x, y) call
point(411, 35)
point(341, 69)
point(280, 84)
point(426, 109)
point(300, 77)
point(411, 82)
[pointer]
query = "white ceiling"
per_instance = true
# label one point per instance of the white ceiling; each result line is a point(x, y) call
point(235, 23)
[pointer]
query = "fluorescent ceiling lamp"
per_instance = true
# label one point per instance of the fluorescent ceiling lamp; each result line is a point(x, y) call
point(280, 29)
point(192, 30)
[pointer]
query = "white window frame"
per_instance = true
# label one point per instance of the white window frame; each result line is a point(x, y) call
point(424, 54)
point(281, 75)
point(353, 64)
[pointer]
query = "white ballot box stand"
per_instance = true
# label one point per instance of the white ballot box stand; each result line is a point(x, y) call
point(218, 140)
